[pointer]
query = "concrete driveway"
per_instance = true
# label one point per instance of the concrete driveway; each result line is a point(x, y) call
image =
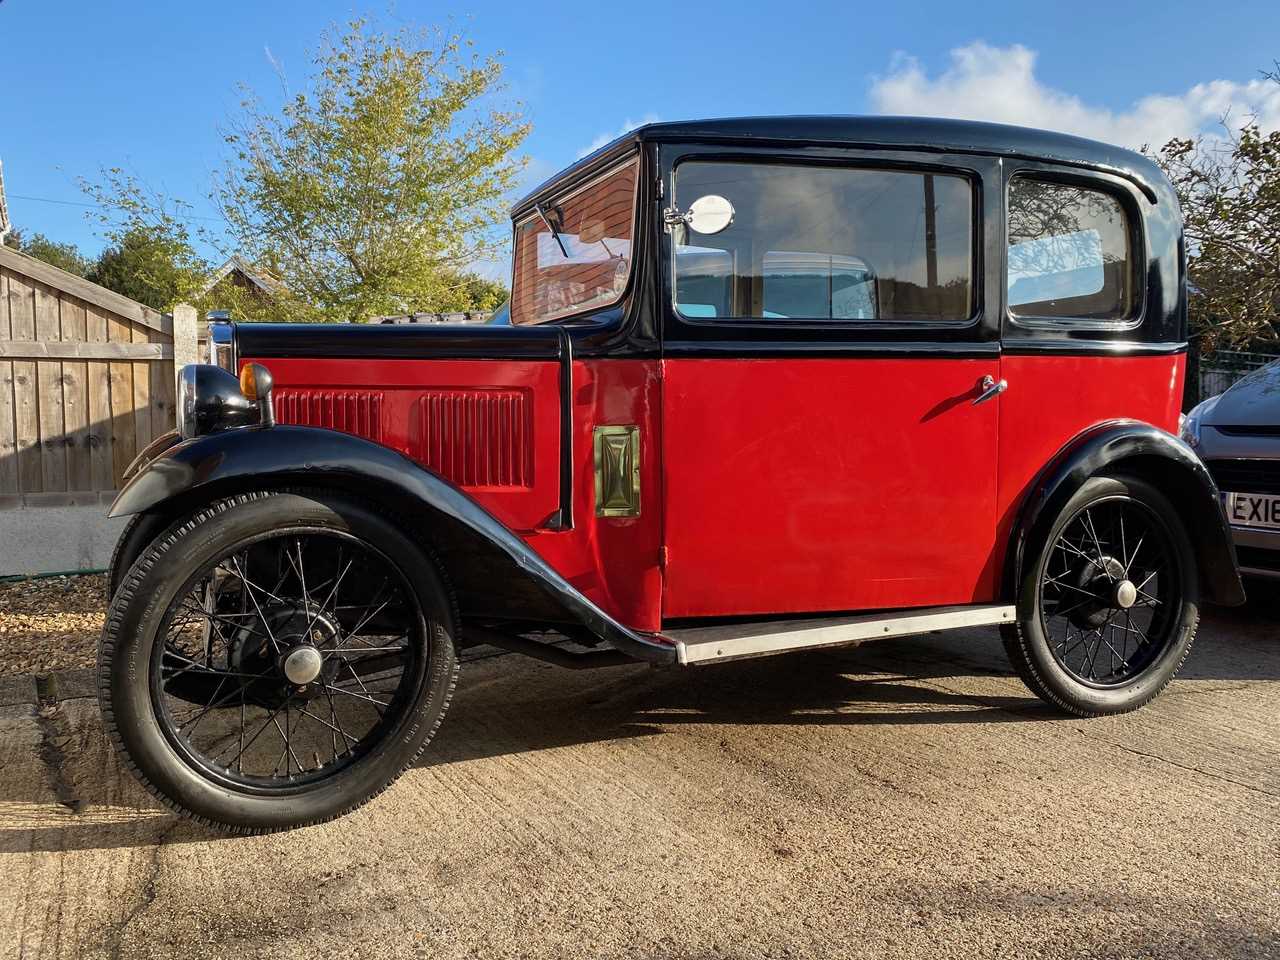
point(902, 799)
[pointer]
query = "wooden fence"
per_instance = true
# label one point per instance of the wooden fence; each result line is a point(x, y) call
point(86, 381)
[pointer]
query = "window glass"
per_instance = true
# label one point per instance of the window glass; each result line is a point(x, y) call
point(585, 262)
point(1068, 252)
point(826, 243)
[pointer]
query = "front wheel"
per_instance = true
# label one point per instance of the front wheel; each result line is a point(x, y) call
point(276, 660)
point(1108, 609)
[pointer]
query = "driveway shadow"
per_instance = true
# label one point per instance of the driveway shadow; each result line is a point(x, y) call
point(511, 705)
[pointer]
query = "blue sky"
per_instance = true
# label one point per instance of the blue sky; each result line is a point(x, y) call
point(145, 85)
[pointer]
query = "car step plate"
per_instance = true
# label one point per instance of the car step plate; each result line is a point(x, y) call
point(733, 641)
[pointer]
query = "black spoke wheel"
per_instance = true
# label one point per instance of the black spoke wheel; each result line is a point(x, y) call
point(1108, 608)
point(298, 653)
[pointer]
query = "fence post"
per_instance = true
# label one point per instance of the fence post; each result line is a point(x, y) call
point(185, 346)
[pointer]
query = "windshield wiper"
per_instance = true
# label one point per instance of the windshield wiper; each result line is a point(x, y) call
point(537, 208)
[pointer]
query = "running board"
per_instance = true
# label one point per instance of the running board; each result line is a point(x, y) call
point(732, 641)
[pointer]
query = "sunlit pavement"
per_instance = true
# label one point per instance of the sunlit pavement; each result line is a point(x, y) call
point(906, 798)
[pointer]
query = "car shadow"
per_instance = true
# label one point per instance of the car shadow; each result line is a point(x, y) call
point(512, 705)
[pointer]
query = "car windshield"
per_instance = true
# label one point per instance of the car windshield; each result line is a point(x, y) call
point(573, 253)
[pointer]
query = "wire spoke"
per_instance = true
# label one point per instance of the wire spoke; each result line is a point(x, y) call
point(223, 649)
point(358, 696)
point(257, 606)
point(1100, 642)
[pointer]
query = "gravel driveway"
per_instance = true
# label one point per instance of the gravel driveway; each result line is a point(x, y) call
point(903, 799)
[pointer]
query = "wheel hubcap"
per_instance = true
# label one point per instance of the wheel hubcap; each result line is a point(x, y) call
point(1124, 595)
point(302, 664)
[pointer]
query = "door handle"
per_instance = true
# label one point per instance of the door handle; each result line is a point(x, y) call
point(990, 387)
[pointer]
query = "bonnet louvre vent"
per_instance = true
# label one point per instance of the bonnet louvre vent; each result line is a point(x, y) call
point(357, 412)
point(476, 438)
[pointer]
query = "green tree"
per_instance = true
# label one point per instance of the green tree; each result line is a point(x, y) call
point(151, 254)
point(374, 191)
point(147, 266)
point(1229, 189)
point(64, 256)
point(473, 292)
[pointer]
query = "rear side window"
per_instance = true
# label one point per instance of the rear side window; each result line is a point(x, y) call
point(822, 243)
point(1070, 252)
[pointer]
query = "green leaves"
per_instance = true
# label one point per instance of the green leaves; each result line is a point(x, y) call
point(1229, 189)
point(150, 254)
point(373, 191)
point(64, 256)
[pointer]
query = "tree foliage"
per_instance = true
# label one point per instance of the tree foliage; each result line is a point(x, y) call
point(375, 190)
point(151, 254)
point(1229, 189)
point(64, 256)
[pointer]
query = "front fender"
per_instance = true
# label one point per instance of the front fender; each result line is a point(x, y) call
point(207, 468)
point(1120, 447)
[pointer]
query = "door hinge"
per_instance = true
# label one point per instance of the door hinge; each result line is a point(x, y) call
point(663, 557)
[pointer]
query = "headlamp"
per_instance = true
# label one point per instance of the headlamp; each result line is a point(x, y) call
point(1189, 424)
point(211, 399)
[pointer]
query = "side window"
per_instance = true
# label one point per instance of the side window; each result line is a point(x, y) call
point(810, 243)
point(576, 254)
point(1069, 252)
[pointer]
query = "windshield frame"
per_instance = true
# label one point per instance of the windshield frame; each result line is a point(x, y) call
point(631, 158)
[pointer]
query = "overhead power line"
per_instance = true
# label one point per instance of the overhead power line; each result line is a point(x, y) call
point(94, 206)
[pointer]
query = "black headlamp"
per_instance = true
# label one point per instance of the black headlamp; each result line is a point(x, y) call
point(211, 399)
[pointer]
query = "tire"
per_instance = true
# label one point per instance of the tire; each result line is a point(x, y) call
point(140, 531)
point(146, 677)
point(1082, 642)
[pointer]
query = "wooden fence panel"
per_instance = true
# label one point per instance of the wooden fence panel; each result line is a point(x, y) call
point(75, 396)
point(141, 393)
point(124, 428)
point(53, 435)
point(99, 390)
point(8, 438)
point(26, 414)
point(86, 380)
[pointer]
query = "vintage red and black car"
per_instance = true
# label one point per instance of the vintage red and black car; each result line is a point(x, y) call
point(767, 384)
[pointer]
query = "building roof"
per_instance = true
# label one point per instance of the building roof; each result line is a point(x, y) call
point(260, 278)
point(916, 133)
point(5, 225)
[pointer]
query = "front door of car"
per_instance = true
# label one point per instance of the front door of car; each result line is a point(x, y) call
point(830, 384)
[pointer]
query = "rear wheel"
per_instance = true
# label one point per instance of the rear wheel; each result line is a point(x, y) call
point(1108, 610)
point(276, 660)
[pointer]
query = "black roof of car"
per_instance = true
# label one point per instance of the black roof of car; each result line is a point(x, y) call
point(917, 133)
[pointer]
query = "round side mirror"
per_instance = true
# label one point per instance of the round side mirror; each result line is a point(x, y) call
point(709, 214)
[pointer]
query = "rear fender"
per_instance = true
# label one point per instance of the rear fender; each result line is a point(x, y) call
point(495, 573)
point(1136, 449)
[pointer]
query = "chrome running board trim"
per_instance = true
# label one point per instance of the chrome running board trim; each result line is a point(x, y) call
point(732, 641)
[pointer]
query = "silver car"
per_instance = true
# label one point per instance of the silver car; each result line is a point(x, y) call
point(1237, 434)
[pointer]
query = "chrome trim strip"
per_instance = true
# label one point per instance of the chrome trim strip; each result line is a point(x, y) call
point(730, 642)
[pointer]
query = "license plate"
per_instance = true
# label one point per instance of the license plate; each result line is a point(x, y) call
point(1254, 510)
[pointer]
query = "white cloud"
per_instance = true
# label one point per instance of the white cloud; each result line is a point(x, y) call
point(609, 137)
point(983, 82)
